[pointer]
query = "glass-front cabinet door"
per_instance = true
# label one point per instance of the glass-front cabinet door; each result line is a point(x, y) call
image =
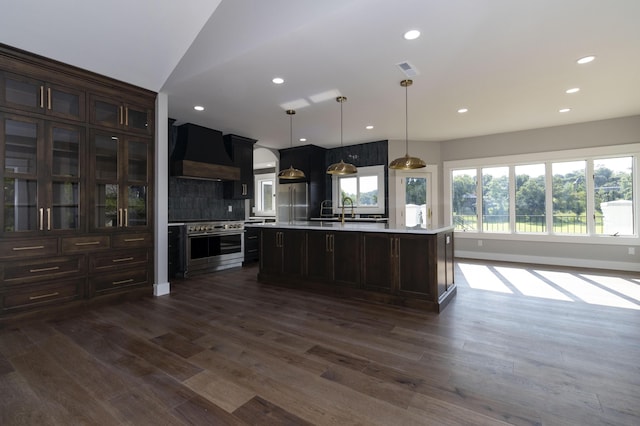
point(41, 175)
point(42, 97)
point(121, 174)
point(121, 115)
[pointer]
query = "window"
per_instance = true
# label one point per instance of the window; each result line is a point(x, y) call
point(264, 192)
point(547, 194)
point(364, 189)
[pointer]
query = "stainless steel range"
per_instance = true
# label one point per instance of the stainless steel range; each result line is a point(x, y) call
point(213, 246)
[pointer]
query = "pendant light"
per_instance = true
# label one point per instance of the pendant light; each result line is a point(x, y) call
point(406, 162)
point(291, 173)
point(341, 168)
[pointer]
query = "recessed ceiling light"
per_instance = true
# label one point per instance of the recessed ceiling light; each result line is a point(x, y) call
point(573, 90)
point(278, 80)
point(585, 60)
point(463, 110)
point(564, 110)
point(303, 139)
point(412, 35)
point(369, 127)
point(198, 108)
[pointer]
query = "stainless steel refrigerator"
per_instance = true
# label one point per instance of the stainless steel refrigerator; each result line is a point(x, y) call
point(293, 202)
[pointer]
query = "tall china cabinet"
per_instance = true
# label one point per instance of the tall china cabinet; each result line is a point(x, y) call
point(76, 149)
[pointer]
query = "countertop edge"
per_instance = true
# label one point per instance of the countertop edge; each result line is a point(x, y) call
point(353, 227)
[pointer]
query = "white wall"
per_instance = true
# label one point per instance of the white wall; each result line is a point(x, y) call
point(617, 131)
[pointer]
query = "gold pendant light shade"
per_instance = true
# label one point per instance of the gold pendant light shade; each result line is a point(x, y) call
point(291, 173)
point(341, 168)
point(407, 162)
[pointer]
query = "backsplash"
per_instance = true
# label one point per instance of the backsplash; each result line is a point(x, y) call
point(191, 199)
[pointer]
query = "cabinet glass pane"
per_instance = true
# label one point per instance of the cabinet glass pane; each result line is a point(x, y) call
point(66, 205)
point(106, 205)
point(22, 93)
point(66, 148)
point(106, 113)
point(137, 207)
point(21, 141)
point(65, 103)
point(106, 157)
point(20, 205)
point(137, 161)
point(136, 119)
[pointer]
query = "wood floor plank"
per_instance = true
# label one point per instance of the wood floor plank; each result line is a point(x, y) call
point(225, 349)
point(260, 411)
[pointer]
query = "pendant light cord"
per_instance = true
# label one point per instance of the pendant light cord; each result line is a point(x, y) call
point(341, 145)
point(291, 129)
point(406, 119)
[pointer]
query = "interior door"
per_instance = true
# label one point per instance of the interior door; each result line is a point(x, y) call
point(415, 197)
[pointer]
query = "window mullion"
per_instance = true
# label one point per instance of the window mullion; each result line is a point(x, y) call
point(591, 198)
point(512, 199)
point(479, 201)
point(548, 203)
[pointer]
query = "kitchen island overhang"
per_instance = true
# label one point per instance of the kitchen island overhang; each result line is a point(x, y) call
point(404, 266)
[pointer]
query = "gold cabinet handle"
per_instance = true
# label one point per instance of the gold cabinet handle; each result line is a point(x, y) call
point(41, 210)
point(130, 280)
point(121, 114)
point(51, 268)
point(326, 243)
point(42, 296)
point(130, 240)
point(88, 243)
point(41, 96)
point(126, 218)
point(27, 248)
point(126, 116)
point(48, 219)
point(119, 217)
point(123, 259)
point(48, 98)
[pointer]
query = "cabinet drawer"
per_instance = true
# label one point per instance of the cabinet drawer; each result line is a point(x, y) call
point(84, 244)
point(41, 294)
point(31, 271)
point(12, 249)
point(118, 259)
point(119, 280)
point(132, 240)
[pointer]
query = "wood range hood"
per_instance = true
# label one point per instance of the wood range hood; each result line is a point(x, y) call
point(200, 153)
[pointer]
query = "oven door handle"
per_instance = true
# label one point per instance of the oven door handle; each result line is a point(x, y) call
point(215, 234)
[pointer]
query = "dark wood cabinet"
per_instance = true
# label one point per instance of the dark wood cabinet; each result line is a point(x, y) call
point(311, 160)
point(240, 150)
point(405, 268)
point(251, 245)
point(282, 252)
point(334, 257)
point(77, 217)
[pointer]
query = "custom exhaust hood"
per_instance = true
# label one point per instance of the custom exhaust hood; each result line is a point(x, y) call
point(200, 153)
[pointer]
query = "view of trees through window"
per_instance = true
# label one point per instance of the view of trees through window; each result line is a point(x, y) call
point(362, 190)
point(611, 189)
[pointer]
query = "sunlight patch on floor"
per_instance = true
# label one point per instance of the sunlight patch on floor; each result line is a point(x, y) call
point(629, 288)
point(586, 291)
point(480, 277)
point(530, 285)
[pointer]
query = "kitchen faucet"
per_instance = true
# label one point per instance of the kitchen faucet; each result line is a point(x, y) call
point(344, 200)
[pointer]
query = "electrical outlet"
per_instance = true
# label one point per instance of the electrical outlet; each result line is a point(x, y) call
point(230, 208)
point(632, 250)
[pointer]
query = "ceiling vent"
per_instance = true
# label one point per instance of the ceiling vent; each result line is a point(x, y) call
point(408, 69)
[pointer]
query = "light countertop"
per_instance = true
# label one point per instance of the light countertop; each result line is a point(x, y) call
point(351, 226)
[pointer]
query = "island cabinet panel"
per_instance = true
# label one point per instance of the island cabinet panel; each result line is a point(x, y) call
point(334, 257)
point(77, 153)
point(282, 252)
point(404, 267)
point(377, 268)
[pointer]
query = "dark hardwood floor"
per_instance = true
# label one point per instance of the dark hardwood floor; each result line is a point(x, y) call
point(224, 349)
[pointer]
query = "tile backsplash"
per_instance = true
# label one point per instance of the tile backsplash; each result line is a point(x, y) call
point(191, 199)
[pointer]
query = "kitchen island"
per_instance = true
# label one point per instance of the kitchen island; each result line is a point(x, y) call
point(398, 265)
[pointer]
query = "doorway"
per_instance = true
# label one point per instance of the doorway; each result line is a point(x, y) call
point(415, 198)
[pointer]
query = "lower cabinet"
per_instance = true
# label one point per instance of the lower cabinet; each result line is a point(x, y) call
point(251, 245)
point(412, 269)
point(51, 272)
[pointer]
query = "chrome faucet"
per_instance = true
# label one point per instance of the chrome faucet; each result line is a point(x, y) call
point(344, 200)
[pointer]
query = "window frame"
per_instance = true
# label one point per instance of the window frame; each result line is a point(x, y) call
point(548, 158)
point(378, 172)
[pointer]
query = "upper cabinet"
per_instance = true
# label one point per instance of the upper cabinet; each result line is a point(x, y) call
point(120, 114)
point(29, 94)
point(240, 150)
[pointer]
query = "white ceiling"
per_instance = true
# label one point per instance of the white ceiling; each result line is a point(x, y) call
point(508, 61)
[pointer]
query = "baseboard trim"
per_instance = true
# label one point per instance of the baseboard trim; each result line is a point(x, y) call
point(555, 261)
point(161, 289)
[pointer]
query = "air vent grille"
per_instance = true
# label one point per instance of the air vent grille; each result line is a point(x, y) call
point(408, 69)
